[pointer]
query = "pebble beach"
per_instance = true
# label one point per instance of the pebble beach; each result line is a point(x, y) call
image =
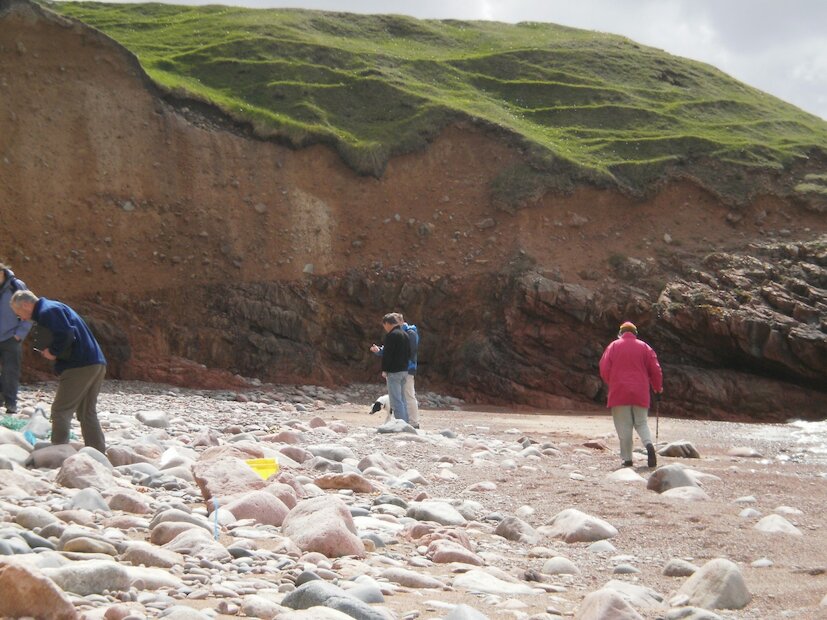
point(478, 514)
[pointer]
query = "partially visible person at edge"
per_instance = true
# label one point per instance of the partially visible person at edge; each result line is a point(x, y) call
point(396, 352)
point(79, 363)
point(12, 333)
point(629, 367)
point(410, 389)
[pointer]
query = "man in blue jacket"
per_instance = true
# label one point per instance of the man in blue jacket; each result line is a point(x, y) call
point(12, 333)
point(409, 388)
point(79, 362)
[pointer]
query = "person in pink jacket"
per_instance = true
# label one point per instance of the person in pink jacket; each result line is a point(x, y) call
point(629, 367)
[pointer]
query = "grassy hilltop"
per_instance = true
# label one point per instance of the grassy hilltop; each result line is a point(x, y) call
point(586, 106)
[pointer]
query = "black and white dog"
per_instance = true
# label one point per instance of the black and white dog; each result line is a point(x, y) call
point(383, 402)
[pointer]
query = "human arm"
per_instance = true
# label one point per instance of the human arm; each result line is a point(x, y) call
point(57, 321)
point(389, 348)
point(22, 330)
point(655, 372)
point(23, 327)
point(413, 339)
point(606, 365)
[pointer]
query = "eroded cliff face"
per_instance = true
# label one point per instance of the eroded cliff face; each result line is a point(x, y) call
point(189, 243)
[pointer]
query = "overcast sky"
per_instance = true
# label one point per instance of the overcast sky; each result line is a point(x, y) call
point(779, 46)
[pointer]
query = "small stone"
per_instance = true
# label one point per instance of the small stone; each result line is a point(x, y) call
point(679, 568)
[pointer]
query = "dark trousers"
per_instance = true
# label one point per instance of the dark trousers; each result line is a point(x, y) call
point(11, 353)
point(77, 391)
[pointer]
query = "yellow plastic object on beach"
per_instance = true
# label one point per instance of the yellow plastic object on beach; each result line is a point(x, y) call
point(263, 467)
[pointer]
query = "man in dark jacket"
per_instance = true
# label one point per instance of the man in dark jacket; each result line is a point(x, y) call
point(409, 392)
point(79, 362)
point(12, 333)
point(396, 353)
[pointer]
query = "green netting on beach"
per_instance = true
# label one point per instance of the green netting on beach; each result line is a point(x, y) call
point(14, 424)
point(17, 424)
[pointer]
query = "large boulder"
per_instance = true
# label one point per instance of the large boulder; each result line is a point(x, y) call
point(410, 578)
point(224, 476)
point(167, 531)
point(479, 580)
point(129, 500)
point(80, 471)
point(512, 528)
point(323, 524)
point(670, 477)
point(444, 551)
point(382, 461)
point(332, 452)
point(680, 449)
point(198, 543)
point(50, 457)
point(153, 418)
point(284, 492)
point(572, 525)
point(26, 592)
point(605, 604)
point(321, 593)
point(16, 482)
point(90, 577)
point(263, 507)
point(776, 524)
point(34, 517)
point(437, 511)
point(139, 553)
point(351, 480)
point(718, 584)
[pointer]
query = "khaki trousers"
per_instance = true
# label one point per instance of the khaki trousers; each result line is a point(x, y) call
point(626, 418)
point(409, 394)
point(77, 391)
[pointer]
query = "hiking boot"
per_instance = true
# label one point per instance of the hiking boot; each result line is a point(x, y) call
point(627, 464)
point(652, 457)
point(11, 409)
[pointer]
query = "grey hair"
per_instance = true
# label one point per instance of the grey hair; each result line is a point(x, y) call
point(23, 297)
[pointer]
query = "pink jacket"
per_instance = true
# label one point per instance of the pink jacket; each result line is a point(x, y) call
point(629, 366)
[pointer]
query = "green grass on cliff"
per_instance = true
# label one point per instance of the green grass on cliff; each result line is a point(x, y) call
point(584, 105)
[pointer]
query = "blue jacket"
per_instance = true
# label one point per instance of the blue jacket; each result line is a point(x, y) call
point(10, 325)
point(69, 333)
point(413, 336)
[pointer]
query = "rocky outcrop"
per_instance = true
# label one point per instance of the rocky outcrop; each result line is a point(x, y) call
point(764, 311)
point(530, 339)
